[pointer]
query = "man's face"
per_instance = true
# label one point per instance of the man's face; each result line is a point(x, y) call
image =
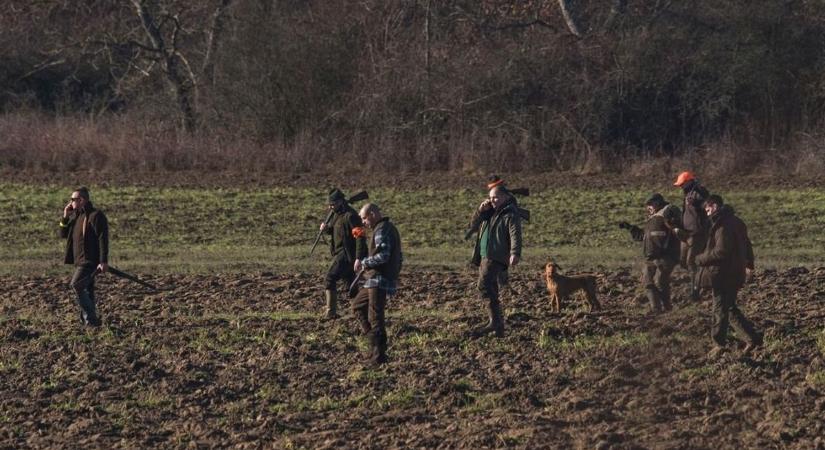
point(78, 202)
point(368, 219)
point(497, 197)
point(651, 210)
point(335, 206)
point(710, 208)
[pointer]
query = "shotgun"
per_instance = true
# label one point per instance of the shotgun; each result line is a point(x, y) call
point(355, 198)
point(353, 287)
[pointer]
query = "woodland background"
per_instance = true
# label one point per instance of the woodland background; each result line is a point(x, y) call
point(413, 86)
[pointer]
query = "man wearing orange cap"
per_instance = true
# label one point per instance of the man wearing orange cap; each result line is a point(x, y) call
point(695, 227)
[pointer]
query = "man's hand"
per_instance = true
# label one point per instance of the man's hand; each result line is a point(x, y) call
point(514, 260)
point(357, 266)
point(67, 210)
point(323, 226)
point(748, 275)
point(103, 267)
point(485, 205)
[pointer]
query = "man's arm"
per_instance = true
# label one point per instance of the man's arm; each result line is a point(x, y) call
point(382, 250)
point(514, 227)
point(720, 251)
point(102, 229)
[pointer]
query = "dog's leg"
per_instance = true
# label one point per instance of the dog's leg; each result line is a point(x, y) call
point(592, 300)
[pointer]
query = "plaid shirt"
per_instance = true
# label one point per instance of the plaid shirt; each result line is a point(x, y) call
point(382, 254)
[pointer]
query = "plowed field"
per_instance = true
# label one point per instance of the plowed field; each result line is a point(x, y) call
point(242, 359)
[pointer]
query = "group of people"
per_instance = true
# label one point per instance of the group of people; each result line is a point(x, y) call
point(711, 242)
point(705, 237)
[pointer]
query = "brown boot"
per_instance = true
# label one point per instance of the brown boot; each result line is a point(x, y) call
point(653, 300)
point(331, 297)
point(378, 348)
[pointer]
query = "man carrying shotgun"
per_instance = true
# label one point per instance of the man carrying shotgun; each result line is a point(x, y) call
point(347, 244)
point(86, 231)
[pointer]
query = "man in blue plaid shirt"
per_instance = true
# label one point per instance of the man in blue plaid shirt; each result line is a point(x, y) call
point(381, 269)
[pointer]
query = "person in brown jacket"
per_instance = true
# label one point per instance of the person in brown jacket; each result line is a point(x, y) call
point(86, 231)
point(725, 265)
point(695, 227)
point(498, 246)
point(381, 269)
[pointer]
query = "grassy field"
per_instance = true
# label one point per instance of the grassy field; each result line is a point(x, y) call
point(203, 230)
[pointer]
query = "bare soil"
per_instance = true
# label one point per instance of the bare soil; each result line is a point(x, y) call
point(242, 360)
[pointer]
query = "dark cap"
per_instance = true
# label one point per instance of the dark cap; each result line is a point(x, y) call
point(335, 194)
point(655, 200)
point(714, 199)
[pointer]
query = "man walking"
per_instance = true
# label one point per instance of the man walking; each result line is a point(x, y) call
point(725, 265)
point(86, 231)
point(347, 244)
point(661, 250)
point(381, 269)
point(497, 247)
point(695, 227)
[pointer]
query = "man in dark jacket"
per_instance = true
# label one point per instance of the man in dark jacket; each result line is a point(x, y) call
point(695, 227)
point(725, 265)
point(661, 249)
point(381, 269)
point(347, 244)
point(86, 231)
point(497, 247)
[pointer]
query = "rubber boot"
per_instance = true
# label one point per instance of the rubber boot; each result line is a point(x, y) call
point(88, 313)
point(331, 297)
point(495, 323)
point(695, 290)
point(378, 348)
point(665, 298)
point(654, 300)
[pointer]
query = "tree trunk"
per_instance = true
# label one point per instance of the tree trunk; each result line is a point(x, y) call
point(569, 18)
point(177, 69)
point(213, 41)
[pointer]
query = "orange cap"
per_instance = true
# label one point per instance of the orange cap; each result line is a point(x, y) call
point(683, 178)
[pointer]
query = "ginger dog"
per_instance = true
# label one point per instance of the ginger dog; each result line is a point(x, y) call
point(560, 287)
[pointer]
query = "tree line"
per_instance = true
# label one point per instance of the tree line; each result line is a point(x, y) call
point(427, 84)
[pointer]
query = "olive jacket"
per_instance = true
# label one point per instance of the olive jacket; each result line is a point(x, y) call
point(346, 230)
point(504, 227)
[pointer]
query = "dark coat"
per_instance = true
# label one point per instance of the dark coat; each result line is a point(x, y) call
point(95, 237)
point(728, 252)
point(343, 240)
point(658, 237)
point(504, 239)
point(694, 219)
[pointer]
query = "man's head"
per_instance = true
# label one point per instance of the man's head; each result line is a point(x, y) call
point(499, 196)
point(712, 204)
point(654, 203)
point(80, 197)
point(336, 199)
point(370, 215)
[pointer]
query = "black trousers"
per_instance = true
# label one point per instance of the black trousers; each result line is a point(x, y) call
point(489, 273)
point(340, 269)
point(83, 284)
